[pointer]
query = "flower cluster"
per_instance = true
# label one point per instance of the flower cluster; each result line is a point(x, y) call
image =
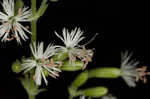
point(43, 61)
point(10, 27)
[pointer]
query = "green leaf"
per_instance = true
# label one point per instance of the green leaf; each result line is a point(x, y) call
point(80, 79)
point(67, 66)
point(16, 67)
point(95, 92)
point(106, 72)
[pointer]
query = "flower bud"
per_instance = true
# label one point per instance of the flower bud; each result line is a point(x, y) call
point(106, 72)
point(18, 5)
point(67, 66)
point(16, 67)
point(95, 92)
point(80, 79)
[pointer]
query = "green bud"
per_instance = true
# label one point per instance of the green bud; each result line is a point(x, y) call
point(19, 4)
point(45, 73)
point(80, 79)
point(16, 67)
point(106, 72)
point(95, 92)
point(67, 66)
point(60, 56)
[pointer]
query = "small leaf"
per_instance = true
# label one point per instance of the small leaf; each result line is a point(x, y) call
point(80, 79)
point(106, 72)
point(95, 92)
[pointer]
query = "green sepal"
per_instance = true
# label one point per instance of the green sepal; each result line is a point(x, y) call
point(80, 79)
point(60, 56)
point(67, 66)
point(16, 66)
point(19, 4)
point(105, 72)
point(95, 92)
point(45, 73)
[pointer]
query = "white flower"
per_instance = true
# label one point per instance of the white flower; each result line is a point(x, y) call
point(128, 69)
point(83, 97)
point(41, 62)
point(72, 47)
point(109, 96)
point(71, 39)
point(11, 27)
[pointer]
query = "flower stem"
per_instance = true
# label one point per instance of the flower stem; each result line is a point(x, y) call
point(70, 97)
point(31, 97)
point(33, 24)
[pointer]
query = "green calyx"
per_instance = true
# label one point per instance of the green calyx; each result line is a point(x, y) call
point(73, 66)
point(16, 67)
point(106, 72)
point(60, 56)
point(95, 92)
point(80, 80)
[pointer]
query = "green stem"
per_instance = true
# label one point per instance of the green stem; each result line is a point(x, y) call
point(33, 38)
point(70, 97)
point(33, 24)
point(31, 97)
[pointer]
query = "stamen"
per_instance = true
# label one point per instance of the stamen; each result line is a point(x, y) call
point(20, 11)
point(85, 57)
point(91, 39)
point(142, 73)
point(27, 27)
point(51, 63)
point(15, 28)
point(43, 60)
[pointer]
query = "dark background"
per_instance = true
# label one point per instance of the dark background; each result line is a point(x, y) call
point(120, 28)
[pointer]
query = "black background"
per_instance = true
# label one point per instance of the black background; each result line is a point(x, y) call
point(120, 27)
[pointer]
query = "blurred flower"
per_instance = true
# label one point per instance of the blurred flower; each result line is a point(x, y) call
point(128, 69)
point(83, 97)
point(72, 47)
point(109, 96)
point(11, 27)
point(41, 62)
